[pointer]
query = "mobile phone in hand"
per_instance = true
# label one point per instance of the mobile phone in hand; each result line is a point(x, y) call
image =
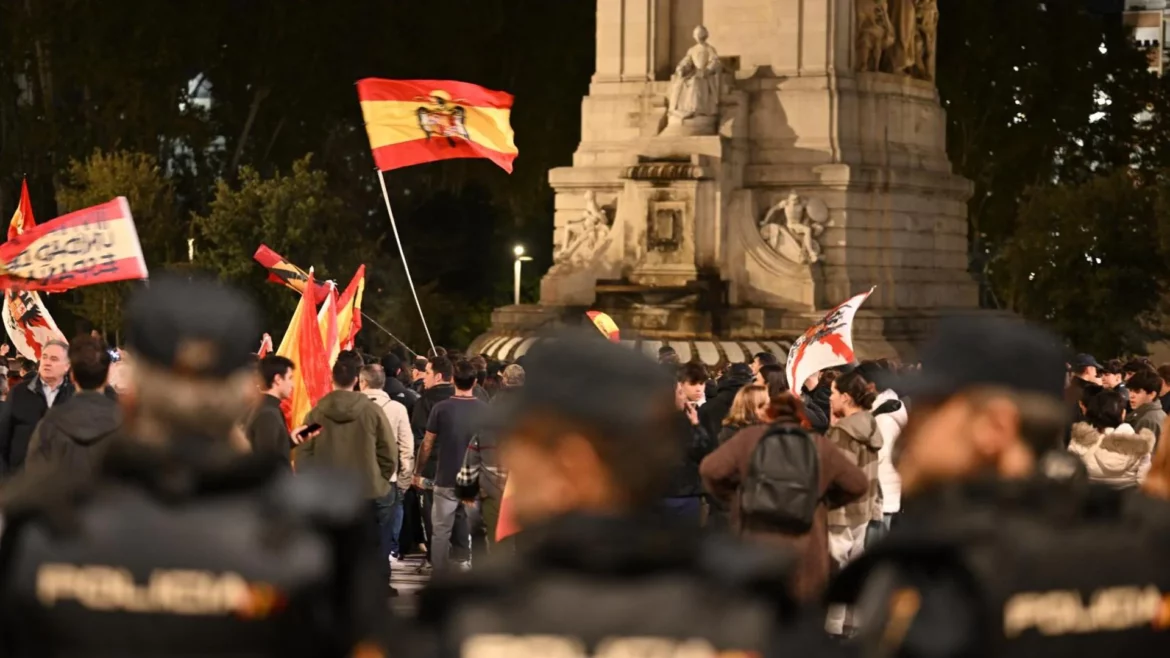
point(303, 434)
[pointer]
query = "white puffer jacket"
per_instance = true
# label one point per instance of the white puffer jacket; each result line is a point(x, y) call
point(1119, 457)
point(891, 425)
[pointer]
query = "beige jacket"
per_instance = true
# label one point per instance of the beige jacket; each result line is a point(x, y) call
point(400, 426)
point(860, 439)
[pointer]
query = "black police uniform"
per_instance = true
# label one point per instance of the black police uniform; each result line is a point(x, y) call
point(1033, 569)
point(612, 586)
point(184, 547)
point(181, 552)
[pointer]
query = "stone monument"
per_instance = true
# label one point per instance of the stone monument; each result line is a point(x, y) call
point(746, 165)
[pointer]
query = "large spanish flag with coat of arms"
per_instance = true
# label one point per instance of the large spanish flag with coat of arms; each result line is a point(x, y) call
point(415, 121)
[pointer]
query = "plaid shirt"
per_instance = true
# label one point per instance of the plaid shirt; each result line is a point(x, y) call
point(481, 468)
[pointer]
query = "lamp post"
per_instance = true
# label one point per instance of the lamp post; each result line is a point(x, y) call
point(517, 251)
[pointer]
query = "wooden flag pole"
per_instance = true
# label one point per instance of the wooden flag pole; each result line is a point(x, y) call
point(401, 252)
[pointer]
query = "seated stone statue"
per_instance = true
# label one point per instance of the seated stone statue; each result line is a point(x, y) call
point(795, 238)
point(694, 87)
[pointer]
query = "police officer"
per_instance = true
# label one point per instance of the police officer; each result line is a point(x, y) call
point(1004, 548)
point(589, 450)
point(181, 544)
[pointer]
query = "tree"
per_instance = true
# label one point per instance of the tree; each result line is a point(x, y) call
point(136, 176)
point(1089, 261)
point(296, 215)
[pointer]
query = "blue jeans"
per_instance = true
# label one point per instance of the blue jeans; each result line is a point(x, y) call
point(385, 507)
point(396, 516)
point(688, 509)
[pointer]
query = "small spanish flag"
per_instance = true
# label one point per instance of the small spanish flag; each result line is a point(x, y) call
point(349, 309)
point(605, 325)
point(22, 220)
point(285, 273)
point(415, 121)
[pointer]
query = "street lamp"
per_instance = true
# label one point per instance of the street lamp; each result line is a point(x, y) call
point(517, 251)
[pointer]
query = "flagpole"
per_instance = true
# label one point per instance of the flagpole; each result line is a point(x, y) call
point(405, 266)
point(375, 323)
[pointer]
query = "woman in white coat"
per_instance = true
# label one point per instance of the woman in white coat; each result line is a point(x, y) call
point(1114, 454)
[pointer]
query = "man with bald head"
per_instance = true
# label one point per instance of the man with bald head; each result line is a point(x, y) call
point(28, 402)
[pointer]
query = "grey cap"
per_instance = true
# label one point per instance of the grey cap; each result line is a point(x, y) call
point(194, 327)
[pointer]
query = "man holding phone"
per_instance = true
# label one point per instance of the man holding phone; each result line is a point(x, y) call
point(265, 429)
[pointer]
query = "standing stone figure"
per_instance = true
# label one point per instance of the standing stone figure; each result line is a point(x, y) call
point(904, 54)
point(875, 33)
point(795, 238)
point(694, 87)
point(928, 37)
point(585, 235)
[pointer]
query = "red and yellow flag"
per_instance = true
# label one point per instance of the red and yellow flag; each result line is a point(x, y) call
point(605, 325)
point(285, 273)
point(349, 309)
point(415, 121)
point(507, 525)
point(23, 219)
point(303, 345)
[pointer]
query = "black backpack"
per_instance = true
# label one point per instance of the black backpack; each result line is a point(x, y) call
point(782, 488)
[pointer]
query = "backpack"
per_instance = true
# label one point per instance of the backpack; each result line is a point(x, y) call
point(782, 487)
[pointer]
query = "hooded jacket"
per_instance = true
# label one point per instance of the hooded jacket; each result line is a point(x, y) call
point(891, 423)
point(356, 436)
point(73, 436)
point(712, 413)
point(1118, 457)
point(859, 437)
point(404, 438)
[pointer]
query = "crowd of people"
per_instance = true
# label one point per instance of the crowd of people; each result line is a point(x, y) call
point(944, 509)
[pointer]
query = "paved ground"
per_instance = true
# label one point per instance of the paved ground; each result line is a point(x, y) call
point(408, 582)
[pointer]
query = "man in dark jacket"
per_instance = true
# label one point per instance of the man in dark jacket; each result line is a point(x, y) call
point(266, 429)
point(685, 494)
point(394, 387)
point(28, 402)
point(712, 413)
point(74, 434)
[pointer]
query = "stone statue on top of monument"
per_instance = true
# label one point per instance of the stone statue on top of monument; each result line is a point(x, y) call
point(796, 237)
point(694, 88)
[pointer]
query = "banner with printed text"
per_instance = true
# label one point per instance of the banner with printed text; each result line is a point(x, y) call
point(91, 246)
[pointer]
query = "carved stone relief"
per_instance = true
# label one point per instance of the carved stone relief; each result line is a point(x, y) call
point(793, 226)
point(583, 236)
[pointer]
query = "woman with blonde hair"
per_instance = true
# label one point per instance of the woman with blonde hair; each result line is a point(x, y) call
point(747, 409)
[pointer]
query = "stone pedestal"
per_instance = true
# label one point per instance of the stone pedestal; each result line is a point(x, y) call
point(825, 174)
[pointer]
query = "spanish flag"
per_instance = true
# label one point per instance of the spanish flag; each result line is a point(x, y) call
point(349, 309)
point(303, 345)
point(23, 219)
point(415, 121)
point(285, 273)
